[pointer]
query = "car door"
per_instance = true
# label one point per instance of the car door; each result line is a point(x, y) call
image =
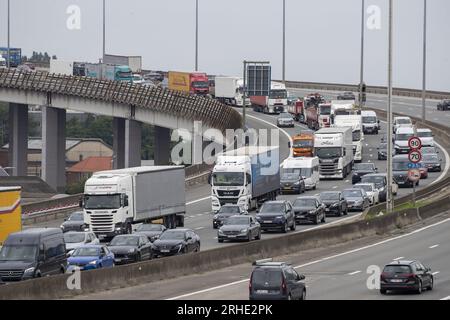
point(319, 211)
point(107, 257)
point(291, 280)
point(289, 214)
point(343, 203)
point(252, 226)
point(425, 275)
point(144, 247)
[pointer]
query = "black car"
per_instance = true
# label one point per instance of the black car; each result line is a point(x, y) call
point(130, 248)
point(276, 281)
point(335, 203)
point(240, 228)
point(400, 168)
point(361, 169)
point(309, 209)
point(406, 276)
point(292, 181)
point(382, 151)
point(444, 105)
point(357, 199)
point(176, 241)
point(432, 162)
point(277, 216)
point(151, 231)
point(75, 222)
point(225, 212)
point(346, 96)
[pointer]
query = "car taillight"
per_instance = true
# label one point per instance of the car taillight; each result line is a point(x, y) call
point(283, 287)
point(383, 276)
point(411, 277)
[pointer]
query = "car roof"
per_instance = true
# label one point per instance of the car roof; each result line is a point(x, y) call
point(271, 265)
point(276, 202)
point(401, 117)
point(401, 262)
point(375, 175)
point(328, 192)
point(352, 189)
point(307, 198)
point(401, 157)
point(405, 129)
point(424, 130)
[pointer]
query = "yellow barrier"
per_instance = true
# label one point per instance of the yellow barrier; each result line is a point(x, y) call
point(10, 211)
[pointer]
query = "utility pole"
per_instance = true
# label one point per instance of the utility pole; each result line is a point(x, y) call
point(284, 41)
point(196, 35)
point(8, 64)
point(389, 198)
point(424, 82)
point(363, 15)
point(104, 31)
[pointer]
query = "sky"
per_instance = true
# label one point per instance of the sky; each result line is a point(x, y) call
point(322, 36)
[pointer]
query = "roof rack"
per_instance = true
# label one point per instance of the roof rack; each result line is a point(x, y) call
point(262, 261)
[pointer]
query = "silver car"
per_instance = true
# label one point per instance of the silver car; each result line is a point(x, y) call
point(285, 120)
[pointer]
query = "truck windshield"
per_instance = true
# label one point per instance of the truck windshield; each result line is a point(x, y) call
point(18, 253)
point(356, 135)
point(288, 172)
point(200, 84)
point(328, 153)
point(221, 179)
point(303, 143)
point(369, 120)
point(403, 137)
point(325, 110)
point(278, 94)
point(102, 201)
point(425, 134)
point(400, 166)
point(124, 75)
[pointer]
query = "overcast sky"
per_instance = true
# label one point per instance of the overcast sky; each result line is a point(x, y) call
point(323, 36)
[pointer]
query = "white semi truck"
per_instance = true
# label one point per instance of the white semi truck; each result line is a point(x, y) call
point(334, 148)
point(61, 67)
point(246, 176)
point(274, 103)
point(230, 90)
point(115, 200)
point(355, 122)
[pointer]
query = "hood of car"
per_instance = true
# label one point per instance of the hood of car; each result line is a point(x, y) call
point(82, 259)
point(303, 209)
point(71, 246)
point(121, 249)
point(167, 243)
point(353, 198)
point(13, 265)
point(236, 227)
point(401, 143)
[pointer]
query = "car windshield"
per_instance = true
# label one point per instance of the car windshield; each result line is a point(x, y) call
point(102, 201)
point(124, 241)
point(397, 269)
point(403, 121)
point(18, 253)
point(200, 84)
point(325, 110)
point(124, 75)
point(363, 167)
point(270, 208)
point(77, 216)
point(305, 203)
point(74, 237)
point(228, 179)
point(303, 144)
point(365, 187)
point(356, 135)
point(149, 227)
point(278, 94)
point(229, 210)
point(425, 134)
point(266, 277)
point(237, 221)
point(403, 136)
point(328, 153)
point(430, 157)
point(428, 150)
point(86, 252)
point(379, 181)
point(369, 119)
point(400, 165)
point(352, 193)
point(285, 116)
point(329, 196)
point(173, 235)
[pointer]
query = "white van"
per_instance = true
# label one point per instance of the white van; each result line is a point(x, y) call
point(402, 122)
point(370, 122)
point(426, 137)
point(402, 136)
point(308, 167)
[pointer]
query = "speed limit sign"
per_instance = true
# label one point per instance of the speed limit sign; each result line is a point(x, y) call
point(415, 143)
point(415, 156)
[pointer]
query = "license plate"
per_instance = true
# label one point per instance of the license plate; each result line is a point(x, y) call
point(262, 291)
point(267, 221)
point(327, 209)
point(288, 188)
point(231, 236)
point(118, 260)
point(396, 280)
point(165, 250)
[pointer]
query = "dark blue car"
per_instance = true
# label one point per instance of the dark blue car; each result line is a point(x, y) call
point(90, 257)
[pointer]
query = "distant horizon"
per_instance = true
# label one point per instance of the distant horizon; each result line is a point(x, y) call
point(163, 33)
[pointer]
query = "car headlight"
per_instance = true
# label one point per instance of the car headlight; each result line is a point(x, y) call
point(220, 231)
point(335, 205)
point(312, 211)
point(93, 263)
point(62, 227)
point(216, 216)
point(244, 230)
point(132, 250)
point(29, 270)
point(279, 218)
point(359, 202)
point(297, 183)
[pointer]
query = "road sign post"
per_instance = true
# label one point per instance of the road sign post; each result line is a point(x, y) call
point(414, 156)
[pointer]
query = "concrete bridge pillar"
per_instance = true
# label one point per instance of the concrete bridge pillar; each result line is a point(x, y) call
point(162, 146)
point(54, 147)
point(18, 139)
point(133, 140)
point(118, 143)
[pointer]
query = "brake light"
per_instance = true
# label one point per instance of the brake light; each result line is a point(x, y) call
point(383, 276)
point(411, 277)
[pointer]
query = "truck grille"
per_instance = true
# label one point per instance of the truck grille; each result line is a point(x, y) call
point(102, 223)
point(328, 169)
point(11, 275)
point(226, 193)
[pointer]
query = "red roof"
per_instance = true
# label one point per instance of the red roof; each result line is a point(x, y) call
point(92, 164)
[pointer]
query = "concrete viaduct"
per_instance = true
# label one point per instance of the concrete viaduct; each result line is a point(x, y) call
point(129, 105)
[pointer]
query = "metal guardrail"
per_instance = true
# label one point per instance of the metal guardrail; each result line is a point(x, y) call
point(179, 104)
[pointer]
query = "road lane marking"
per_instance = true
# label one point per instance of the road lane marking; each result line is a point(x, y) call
point(200, 228)
point(434, 246)
point(435, 273)
point(322, 260)
point(335, 187)
point(198, 200)
point(399, 258)
point(355, 272)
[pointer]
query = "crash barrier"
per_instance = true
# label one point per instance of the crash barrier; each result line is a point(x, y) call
point(438, 95)
point(56, 287)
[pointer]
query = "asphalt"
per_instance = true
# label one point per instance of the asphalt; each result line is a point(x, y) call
point(199, 216)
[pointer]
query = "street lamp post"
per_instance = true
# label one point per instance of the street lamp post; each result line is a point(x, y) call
point(361, 100)
point(8, 64)
point(424, 82)
point(284, 41)
point(389, 199)
point(196, 35)
point(104, 31)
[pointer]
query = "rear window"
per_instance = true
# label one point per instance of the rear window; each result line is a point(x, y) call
point(263, 276)
point(400, 269)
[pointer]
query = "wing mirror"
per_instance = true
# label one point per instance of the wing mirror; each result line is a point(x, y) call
point(125, 201)
point(300, 277)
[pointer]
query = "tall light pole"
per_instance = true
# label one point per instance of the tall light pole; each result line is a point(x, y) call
point(284, 41)
point(9, 37)
point(389, 202)
point(196, 35)
point(363, 15)
point(424, 82)
point(104, 31)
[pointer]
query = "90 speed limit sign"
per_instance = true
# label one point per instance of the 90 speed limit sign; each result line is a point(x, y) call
point(415, 156)
point(415, 143)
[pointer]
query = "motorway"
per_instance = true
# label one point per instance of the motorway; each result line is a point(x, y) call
point(199, 217)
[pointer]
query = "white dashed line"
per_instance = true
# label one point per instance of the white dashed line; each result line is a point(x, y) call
point(399, 258)
point(200, 228)
point(435, 273)
point(446, 298)
point(434, 246)
point(353, 273)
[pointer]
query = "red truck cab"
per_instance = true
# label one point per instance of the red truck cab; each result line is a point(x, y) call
point(199, 83)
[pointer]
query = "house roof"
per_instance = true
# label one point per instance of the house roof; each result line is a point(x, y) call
point(92, 164)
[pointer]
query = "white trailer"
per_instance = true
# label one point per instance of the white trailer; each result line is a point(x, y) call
point(334, 148)
point(134, 62)
point(308, 168)
point(61, 67)
point(355, 122)
point(115, 200)
point(230, 90)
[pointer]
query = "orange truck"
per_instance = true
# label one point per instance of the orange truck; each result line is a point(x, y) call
point(303, 145)
point(10, 211)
